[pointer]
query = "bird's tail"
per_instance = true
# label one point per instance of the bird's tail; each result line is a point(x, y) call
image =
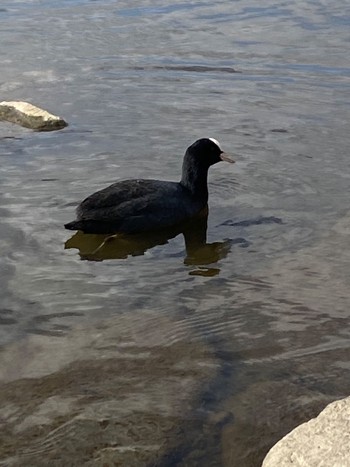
point(74, 225)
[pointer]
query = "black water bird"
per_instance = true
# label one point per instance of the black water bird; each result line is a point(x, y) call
point(134, 206)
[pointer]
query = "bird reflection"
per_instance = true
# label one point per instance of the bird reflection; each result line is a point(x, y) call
point(97, 247)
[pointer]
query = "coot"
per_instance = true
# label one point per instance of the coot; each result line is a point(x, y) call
point(133, 206)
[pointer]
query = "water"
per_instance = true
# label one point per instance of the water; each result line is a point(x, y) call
point(159, 355)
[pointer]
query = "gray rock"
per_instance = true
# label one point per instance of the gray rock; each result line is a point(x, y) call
point(323, 441)
point(30, 116)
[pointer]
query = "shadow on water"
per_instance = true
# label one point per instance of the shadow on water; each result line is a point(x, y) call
point(97, 247)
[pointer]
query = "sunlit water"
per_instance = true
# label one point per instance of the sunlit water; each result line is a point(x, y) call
point(153, 351)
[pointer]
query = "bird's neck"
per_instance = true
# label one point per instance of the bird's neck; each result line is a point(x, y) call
point(195, 177)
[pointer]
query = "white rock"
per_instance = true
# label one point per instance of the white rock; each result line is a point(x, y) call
point(30, 116)
point(323, 441)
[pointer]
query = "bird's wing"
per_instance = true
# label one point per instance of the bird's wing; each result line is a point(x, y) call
point(143, 209)
point(119, 193)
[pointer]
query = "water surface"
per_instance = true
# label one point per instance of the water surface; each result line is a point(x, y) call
point(160, 353)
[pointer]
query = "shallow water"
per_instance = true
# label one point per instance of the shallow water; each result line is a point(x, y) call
point(157, 352)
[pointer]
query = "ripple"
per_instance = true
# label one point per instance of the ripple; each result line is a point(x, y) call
point(217, 349)
point(188, 68)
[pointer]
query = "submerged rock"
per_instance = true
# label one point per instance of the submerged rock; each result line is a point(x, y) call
point(324, 440)
point(123, 392)
point(30, 116)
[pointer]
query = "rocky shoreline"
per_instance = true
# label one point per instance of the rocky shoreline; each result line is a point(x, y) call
point(322, 441)
point(30, 116)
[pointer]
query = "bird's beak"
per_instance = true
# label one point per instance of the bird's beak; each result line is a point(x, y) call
point(226, 157)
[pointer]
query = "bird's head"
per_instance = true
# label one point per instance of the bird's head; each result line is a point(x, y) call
point(207, 151)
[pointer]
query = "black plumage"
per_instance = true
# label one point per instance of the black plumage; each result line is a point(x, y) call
point(133, 206)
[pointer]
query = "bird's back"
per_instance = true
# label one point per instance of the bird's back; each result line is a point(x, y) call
point(135, 206)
